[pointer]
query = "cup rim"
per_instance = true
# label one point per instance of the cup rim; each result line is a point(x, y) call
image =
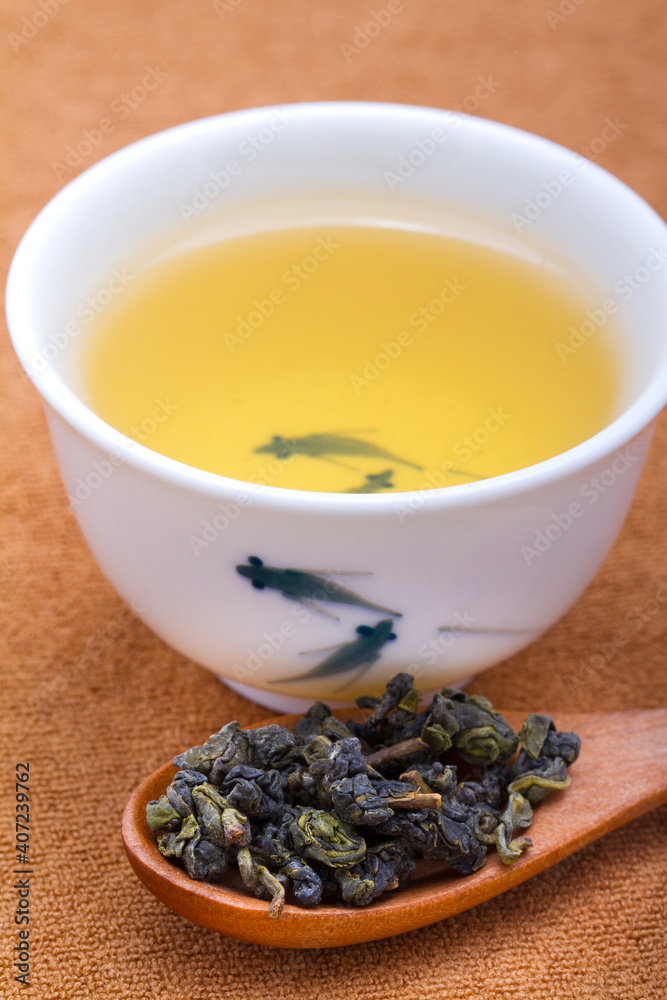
point(63, 400)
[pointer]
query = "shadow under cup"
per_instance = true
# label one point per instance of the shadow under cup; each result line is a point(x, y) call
point(433, 554)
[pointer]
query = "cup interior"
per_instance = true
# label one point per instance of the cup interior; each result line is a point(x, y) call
point(384, 164)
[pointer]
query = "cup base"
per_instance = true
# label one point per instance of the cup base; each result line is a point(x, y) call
point(287, 705)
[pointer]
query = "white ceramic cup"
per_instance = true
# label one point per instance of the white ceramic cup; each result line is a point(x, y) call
point(497, 561)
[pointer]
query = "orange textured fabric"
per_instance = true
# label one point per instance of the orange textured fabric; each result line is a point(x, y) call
point(94, 701)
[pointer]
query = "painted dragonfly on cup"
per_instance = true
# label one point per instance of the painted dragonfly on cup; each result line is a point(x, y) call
point(362, 652)
point(325, 445)
point(374, 483)
point(308, 587)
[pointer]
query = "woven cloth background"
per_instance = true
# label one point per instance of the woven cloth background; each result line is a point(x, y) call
point(95, 701)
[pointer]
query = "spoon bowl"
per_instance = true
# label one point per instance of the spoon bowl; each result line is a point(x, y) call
point(620, 774)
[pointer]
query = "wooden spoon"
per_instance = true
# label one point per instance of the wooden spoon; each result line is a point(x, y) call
point(621, 773)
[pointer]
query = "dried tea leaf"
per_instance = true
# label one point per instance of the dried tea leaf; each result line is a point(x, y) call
point(160, 815)
point(483, 736)
point(179, 791)
point(326, 838)
point(306, 883)
point(204, 860)
point(267, 745)
point(517, 813)
point(259, 878)
point(169, 845)
point(535, 785)
point(357, 801)
point(220, 822)
point(290, 808)
point(534, 732)
point(225, 745)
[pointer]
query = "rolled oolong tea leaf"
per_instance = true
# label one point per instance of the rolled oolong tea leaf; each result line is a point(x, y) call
point(227, 745)
point(544, 759)
point(536, 785)
point(169, 845)
point(204, 861)
point(539, 737)
point(179, 791)
point(220, 822)
point(343, 759)
point(456, 844)
point(357, 801)
point(255, 792)
point(175, 842)
point(259, 878)
point(306, 883)
point(172, 844)
point(534, 732)
point(318, 721)
point(398, 688)
point(354, 888)
point(517, 813)
point(386, 866)
point(433, 835)
point(268, 745)
point(325, 837)
point(161, 815)
point(344, 810)
point(441, 725)
point(483, 736)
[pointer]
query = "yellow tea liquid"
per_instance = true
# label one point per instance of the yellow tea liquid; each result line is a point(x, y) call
point(350, 359)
